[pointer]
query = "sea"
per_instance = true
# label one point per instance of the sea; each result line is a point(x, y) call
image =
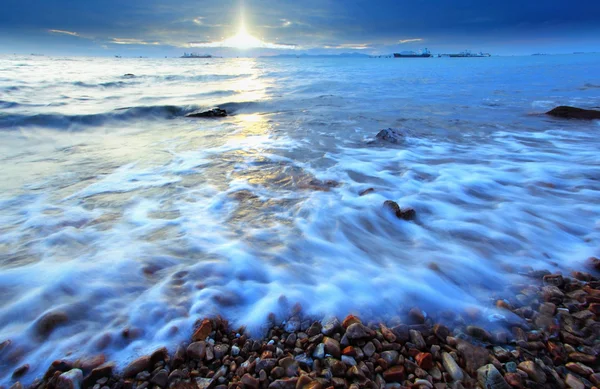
point(123, 222)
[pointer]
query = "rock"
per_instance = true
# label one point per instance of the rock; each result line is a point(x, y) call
point(567, 112)
point(304, 360)
point(387, 333)
point(441, 332)
point(137, 366)
point(286, 383)
point(534, 372)
point(319, 352)
point(314, 329)
point(292, 325)
point(16, 385)
point(404, 214)
point(513, 379)
point(424, 360)
point(554, 279)
point(452, 367)
point(203, 331)
point(48, 322)
point(220, 350)
point(129, 75)
point(390, 357)
point(579, 368)
point(332, 347)
point(474, 356)
point(369, 349)
point(415, 314)
point(250, 382)
point(349, 320)
point(417, 339)
point(331, 326)
point(197, 350)
point(105, 370)
point(479, 333)
point(390, 135)
point(595, 308)
point(202, 383)
point(266, 364)
point(366, 192)
point(394, 374)
point(70, 380)
point(583, 358)
point(552, 294)
point(211, 113)
point(20, 372)
point(348, 360)
point(161, 378)
point(358, 331)
point(490, 378)
point(573, 383)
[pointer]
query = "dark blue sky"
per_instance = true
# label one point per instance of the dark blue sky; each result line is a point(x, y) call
point(160, 27)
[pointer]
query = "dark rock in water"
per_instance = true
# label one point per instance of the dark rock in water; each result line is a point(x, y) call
point(366, 192)
point(48, 322)
point(20, 371)
point(129, 75)
point(574, 113)
point(211, 113)
point(405, 214)
point(137, 366)
point(390, 135)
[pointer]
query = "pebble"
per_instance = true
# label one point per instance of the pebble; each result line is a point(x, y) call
point(319, 352)
point(490, 378)
point(533, 371)
point(452, 367)
point(70, 380)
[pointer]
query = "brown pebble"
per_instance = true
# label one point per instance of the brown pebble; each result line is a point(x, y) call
point(203, 331)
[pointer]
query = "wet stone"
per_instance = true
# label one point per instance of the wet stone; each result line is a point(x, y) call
point(574, 383)
point(417, 339)
point(358, 331)
point(452, 367)
point(70, 380)
point(490, 378)
point(161, 378)
point(137, 366)
point(534, 372)
point(197, 350)
point(203, 331)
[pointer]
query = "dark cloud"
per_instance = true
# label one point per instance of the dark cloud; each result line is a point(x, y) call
point(310, 24)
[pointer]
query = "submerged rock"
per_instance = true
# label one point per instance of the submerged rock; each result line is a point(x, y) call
point(211, 113)
point(390, 135)
point(574, 113)
point(404, 214)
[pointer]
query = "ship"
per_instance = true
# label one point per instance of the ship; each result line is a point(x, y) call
point(195, 55)
point(411, 54)
point(466, 54)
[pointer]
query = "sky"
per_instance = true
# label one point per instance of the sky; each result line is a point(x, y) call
point(169, 28)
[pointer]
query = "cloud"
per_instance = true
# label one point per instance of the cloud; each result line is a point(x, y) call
point(402, 41)
point(128, 41)
point(353, 46)
point(64, 32)
point(199, 20)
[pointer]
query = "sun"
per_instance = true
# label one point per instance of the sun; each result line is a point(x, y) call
point(243, 40)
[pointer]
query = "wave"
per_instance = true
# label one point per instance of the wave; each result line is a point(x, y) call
point(112, 84)
point(8, 104)
point(60, 121)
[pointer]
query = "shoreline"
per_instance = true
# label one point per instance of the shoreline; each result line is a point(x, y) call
point(555, 345)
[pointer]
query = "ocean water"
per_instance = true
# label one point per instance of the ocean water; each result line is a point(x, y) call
point(126, 222)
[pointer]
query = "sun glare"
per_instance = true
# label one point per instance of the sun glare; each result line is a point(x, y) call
point(243, 40)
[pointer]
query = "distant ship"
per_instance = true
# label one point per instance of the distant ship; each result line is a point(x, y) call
point(195, 55)
point(466, 54)
point(412, 54)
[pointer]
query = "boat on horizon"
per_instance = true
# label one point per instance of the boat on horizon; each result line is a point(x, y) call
point(466, 54)
point(195, 55)
point(411, 54)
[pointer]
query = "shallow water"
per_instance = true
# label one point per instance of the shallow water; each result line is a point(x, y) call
point(121, 213)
